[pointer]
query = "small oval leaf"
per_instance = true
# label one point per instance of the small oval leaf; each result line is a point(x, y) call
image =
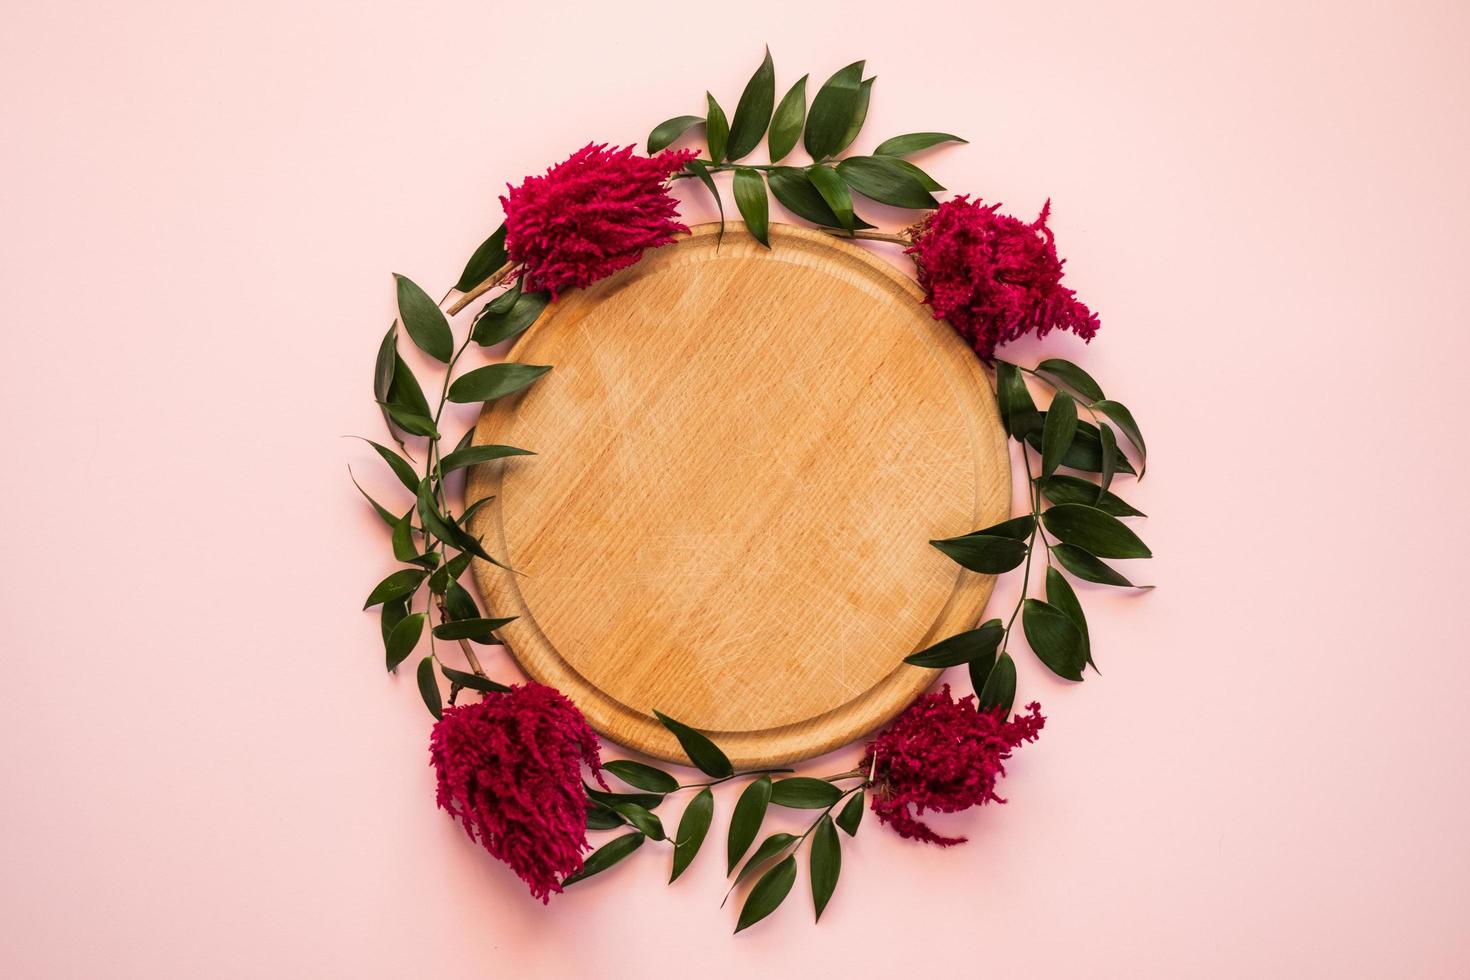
point(1089, 568)
point(399, 585)
point(1094, 531)
point(606, 856)
point(1065, 374)
point(962, 648)
point(693, 828)
point(852, 814)
point(745, 822)
point(753, 111)
point(705, 755)
point(832, 112)
point(786, 124)
point(666, 132)
point(804, 793)
point(825, 863)
point(642, 776)
point(429, 688)
point(423, 320)
point(403, 639)
point(902, 146)
point(985, 553)
point(716, 130)
point(999, 692)
point(768, 893)
point(1053, 638)
point(1057, 432)
point(486, 261)
point(494, 381)
point(750, 199)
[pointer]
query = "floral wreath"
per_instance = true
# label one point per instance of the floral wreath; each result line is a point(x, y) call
point(511, 765)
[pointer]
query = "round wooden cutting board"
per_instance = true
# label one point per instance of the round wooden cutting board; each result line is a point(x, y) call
point(742, 457)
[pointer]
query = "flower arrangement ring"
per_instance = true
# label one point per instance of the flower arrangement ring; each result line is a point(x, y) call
point(743, 428)
point(670, 477)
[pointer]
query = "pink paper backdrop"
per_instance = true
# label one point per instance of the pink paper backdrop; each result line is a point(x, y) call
point(204, 770)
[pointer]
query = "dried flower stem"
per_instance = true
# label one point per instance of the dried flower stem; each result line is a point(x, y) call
point(496, 278)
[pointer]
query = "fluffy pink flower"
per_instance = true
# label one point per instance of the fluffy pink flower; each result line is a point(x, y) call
point(994, 277)
point(591, 215)
point(942, 755)
point(510, 768)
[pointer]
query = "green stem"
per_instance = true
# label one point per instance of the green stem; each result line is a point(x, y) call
point(733, 775)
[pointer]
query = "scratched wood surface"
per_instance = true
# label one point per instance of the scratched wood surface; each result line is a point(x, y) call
point(742, 457)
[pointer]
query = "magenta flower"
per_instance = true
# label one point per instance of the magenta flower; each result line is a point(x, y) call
point(591, 215)
point(510, 768)
point(942, 755)
point(993, 277)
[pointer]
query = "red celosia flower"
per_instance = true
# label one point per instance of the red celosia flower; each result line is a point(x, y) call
point(510, 767)
point(942, 755)
point(993, 277)
point(591, 215)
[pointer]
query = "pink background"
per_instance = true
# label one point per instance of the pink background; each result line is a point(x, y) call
point(205, 772)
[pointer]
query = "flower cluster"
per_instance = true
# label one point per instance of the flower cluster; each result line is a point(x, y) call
point(510, 768)
point(942, 755)
point(591, 215)
point(994, 277)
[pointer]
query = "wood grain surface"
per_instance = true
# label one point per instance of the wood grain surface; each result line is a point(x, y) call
point(743, 455)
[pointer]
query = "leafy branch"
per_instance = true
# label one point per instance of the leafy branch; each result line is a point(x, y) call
point(429, 538)
point(822, 191)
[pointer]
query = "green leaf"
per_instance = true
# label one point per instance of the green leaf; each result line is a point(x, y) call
point(1064, 374)
point(1054, 638)
point(885, 181)
point(794, 190)
point(488, 258)
point(429, 688)
point(981, 668)
point(1109, 444)
point(834, 193)
point(925, 181)
point(642, 776)
point(705, 755)
point(693, 828)
point(403, 546)
point(648, 801)
point(500, 321)
point(698, 168)
point(1085, 452)
point(411, 421)
point(394, 612)
point(1123, 419)
point(753, 111)
point(494, 381)
point(1094, 531)
point(1057, 432)
point(833, 109)
point(666, 132)
point(859, 114)
point(600, 817)
point(962, 648)
point(851, 815)
point(387, 515)
point(606, 856)
point(463, 678)
point(825, 863)
point(770, 847)
point(404, 390)
point(459, 604)
point(475, 455)
point(804, 793)
point(1017, 528)
point(644, 819)
point(479, 630)
point(400, 466)
point(902, 146)
point(989, 554)
point(1060, 594)
point(716, 130)
point(423, 320)
point(745, 822)
point(1012, 397)
point(1061, 489)
point(1089, 568)
point(750, 198)
point(787, 122)
point(768, 893)
point(1000, 687)
point(403, 639)
point(383, 373)
point(399, 585)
